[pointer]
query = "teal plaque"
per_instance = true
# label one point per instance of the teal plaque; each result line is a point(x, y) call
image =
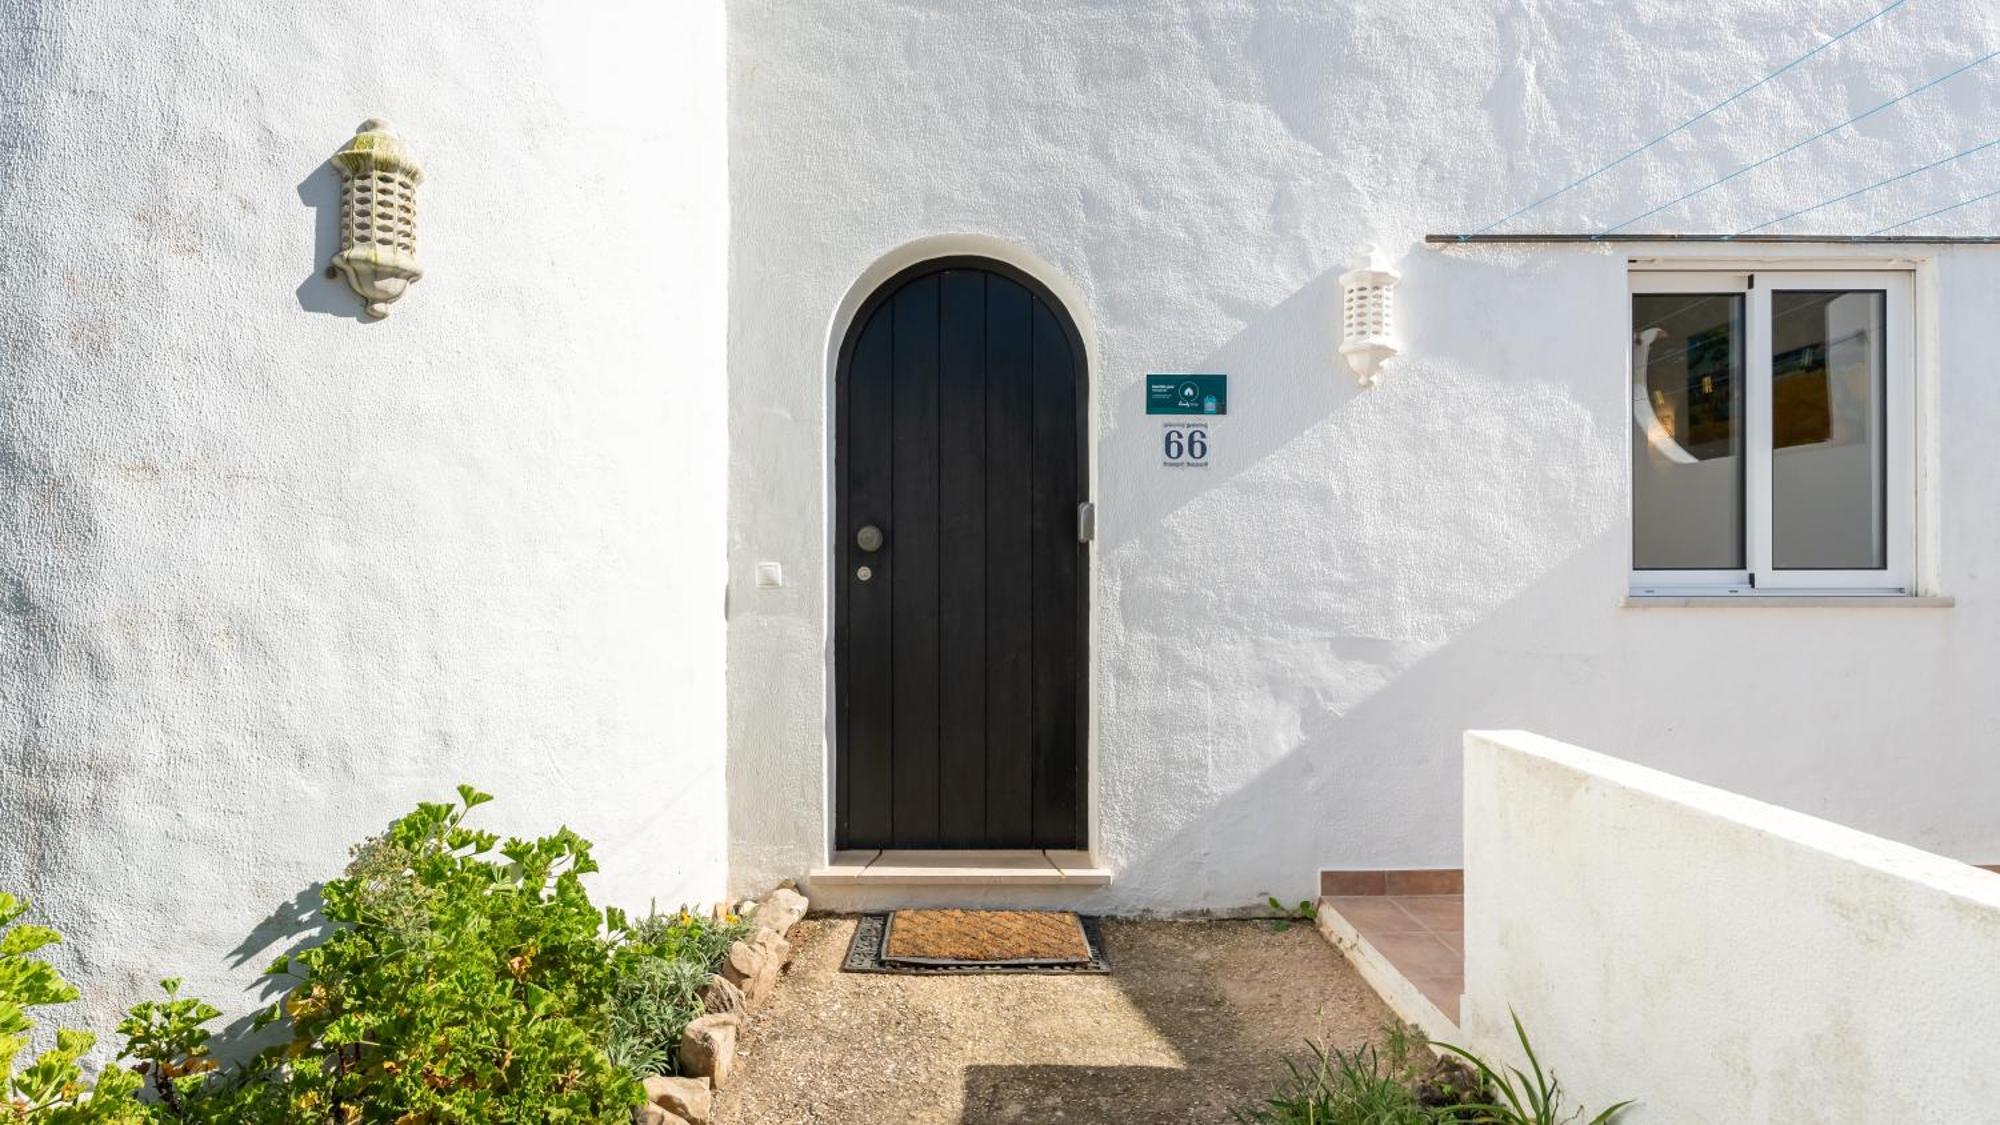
point(1187, 394)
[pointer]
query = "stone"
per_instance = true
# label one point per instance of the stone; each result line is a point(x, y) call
point(740, 963)
point(708, 1047)
point(780, 910)
point(688, 1097)
point(773, 944)
point(753, 965)
point(721, 995)
point(777, 954)
point(646, 1113)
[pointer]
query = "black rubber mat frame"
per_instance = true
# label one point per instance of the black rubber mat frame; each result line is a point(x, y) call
point(864, 954)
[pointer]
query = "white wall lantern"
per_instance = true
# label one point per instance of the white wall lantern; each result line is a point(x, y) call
point(1367, 304)
point(378, 215)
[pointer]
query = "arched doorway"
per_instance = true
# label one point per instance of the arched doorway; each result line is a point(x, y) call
point(960, 604)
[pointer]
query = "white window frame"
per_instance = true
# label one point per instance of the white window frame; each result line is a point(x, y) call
point(1689, 581)
point(1898, 418)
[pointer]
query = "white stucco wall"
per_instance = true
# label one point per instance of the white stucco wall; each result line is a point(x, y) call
point(1718, 958)
point(269, 574)
point(1287, 644)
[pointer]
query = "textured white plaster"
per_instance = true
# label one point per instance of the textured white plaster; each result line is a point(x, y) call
point(1287, 644)
point(270, 574)
point(1714, 957)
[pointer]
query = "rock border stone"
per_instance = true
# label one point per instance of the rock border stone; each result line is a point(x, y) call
point(688, 1099)
point(707, 1050)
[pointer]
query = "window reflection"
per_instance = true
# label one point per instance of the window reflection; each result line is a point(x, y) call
point(1828, 455)
point(1687, 449)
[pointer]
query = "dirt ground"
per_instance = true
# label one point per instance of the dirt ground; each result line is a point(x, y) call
point(1191, 1024)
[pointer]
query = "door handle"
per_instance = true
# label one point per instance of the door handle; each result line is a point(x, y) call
point(869, 538)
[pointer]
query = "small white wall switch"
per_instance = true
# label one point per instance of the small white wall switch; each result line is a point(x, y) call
point(770, 575)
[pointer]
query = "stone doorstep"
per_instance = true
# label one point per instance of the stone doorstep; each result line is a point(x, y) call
point(1025, 867)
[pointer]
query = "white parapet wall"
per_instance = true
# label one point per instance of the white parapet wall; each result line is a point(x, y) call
point(1717, 958)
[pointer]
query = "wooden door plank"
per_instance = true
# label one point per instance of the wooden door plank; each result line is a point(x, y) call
point(959, 422)
point(962, 559)
point(1056, 493)
point(1009, 575)
point(913, 540)
point(865, 686)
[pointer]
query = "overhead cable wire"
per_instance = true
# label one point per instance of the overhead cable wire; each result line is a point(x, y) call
point(1869, 188)
point(1754, 165)
point(1939, 211)
point(1581, 180)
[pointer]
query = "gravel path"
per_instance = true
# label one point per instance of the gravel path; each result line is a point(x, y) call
point(1192, 1023)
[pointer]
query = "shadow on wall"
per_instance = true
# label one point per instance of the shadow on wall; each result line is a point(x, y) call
point(1399, 589)
point(291, 928)
point(1386, 770)
point(319, 293)
point(1286, 376)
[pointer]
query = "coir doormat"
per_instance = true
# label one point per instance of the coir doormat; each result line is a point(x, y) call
point(976, 941)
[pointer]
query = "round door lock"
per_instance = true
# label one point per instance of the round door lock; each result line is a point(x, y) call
point(864, 573)
point(869, 538)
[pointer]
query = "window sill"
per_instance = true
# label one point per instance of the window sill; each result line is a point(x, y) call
point(1786, 601)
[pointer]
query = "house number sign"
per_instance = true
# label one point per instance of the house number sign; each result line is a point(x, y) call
point(1185, 444)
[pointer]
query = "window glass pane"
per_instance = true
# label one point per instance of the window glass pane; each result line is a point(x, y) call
point(1687, 431)
point(1827, 451)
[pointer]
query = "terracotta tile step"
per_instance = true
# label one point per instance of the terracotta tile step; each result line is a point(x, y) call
point(1412, 881)
point(1407, 946)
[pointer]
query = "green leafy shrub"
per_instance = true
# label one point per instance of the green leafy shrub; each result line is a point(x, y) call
point(1402, 1083)
point(656, 999)
point(1523, 1098)
point(663, 965)
point(465, 980)
point(457, 987)
point(50, 1090)
point(1341, 1088)
point(171, 1045)
point(685, 936)
point(1305, 911)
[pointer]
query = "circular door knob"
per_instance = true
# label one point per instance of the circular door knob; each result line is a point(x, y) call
point(869, 538)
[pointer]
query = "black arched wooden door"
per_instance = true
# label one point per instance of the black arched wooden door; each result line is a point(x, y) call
point(960, 607)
